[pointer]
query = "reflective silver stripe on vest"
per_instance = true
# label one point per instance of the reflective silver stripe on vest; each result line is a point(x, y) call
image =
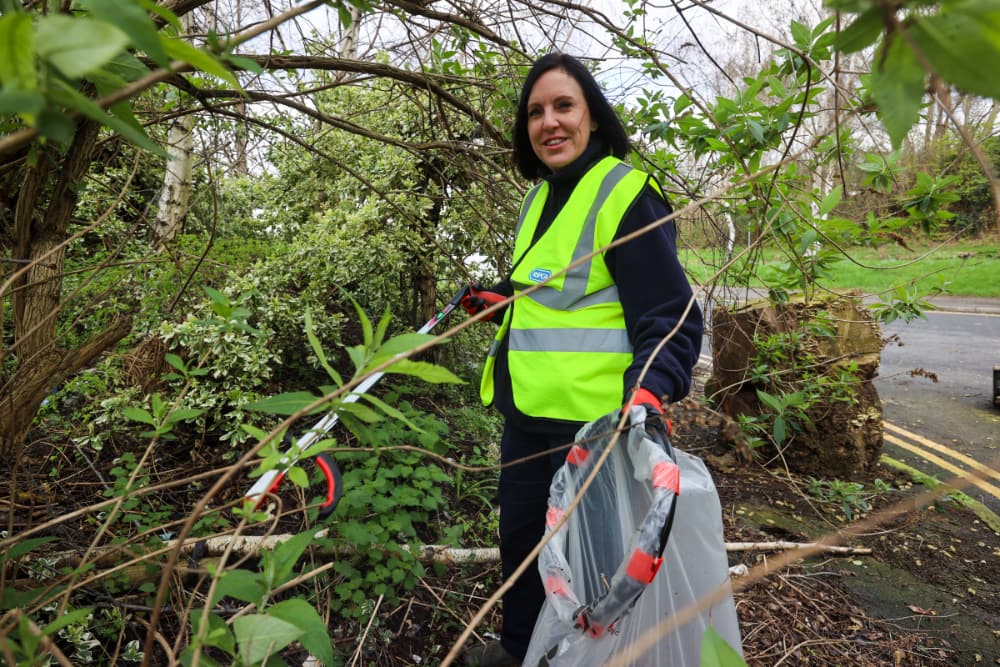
point(573, 295)
point(570, 340)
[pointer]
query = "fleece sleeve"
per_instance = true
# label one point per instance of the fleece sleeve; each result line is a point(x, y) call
point(654, 293)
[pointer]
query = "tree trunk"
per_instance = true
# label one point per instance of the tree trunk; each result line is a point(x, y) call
point(39, 364)
point(176, 193)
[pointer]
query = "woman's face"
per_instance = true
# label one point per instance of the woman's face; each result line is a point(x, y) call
point(559, 123)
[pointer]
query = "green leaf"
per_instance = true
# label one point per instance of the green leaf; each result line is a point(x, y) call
point(317, 349)
point(168, 16)
point(383, 326)
point(55, 125)
point(134, 22)
point(25, 103)
point(964, 50)
point(392, 412)
point(138, 415)
point(286, 404)
point(298, 476)
point(362, 412)
point(802, 35)
point(425, 371)
point(241, 585)
point(245, 63)
point(315, 638)
point(399, 345)
point(287, 554)
point(779, 429)
point(179, 49)
point(716, 651)
point(358, 355)
point(366, 324)
point(67, 619)
point(830, 201)
point(77, 101)
point(17, 550)
point(260, 635)
point(897, 84)
point(769, 400)
point(861, 33)
point(218, 634)
point(17, 52)
point(187, 658)
point(175, 361)
point(76, 46)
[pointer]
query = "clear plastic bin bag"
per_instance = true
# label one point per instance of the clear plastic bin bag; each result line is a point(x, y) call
point(604, 584)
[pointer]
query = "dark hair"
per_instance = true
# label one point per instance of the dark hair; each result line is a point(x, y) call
point(609, 127)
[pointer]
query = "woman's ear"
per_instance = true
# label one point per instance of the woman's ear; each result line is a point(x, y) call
point(593, 126)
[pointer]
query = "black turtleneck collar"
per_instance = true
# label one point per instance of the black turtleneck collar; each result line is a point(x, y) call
point(572, 172)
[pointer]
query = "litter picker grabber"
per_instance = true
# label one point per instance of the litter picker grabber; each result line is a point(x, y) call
point(271, 480)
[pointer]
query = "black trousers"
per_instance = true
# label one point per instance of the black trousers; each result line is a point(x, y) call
point(524, 494)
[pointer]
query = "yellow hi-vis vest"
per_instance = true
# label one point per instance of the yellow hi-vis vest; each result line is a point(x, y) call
point(568, 348)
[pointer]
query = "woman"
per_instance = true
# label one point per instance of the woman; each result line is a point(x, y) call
point(573, 350)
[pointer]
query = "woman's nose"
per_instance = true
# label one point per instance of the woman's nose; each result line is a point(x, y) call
point(549, 118)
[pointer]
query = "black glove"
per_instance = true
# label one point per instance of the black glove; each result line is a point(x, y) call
point(479, 299)
point(654, 412)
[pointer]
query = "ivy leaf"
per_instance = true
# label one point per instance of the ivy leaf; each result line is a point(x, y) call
point(897, 84)
point(76, 46)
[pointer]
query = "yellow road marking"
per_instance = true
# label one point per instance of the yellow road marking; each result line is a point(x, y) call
point(955, 470)
point(945, 449)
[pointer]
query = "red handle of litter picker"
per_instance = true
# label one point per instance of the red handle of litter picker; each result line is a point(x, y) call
point(334, 483)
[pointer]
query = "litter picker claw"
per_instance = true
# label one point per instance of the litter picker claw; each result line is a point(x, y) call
point(269, 482)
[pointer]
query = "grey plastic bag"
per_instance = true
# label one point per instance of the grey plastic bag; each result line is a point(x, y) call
point(605, 585)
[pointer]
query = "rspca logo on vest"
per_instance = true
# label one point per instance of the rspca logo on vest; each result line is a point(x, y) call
point(539, 275)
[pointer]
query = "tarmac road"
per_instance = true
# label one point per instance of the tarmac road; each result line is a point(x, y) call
point(941, 427)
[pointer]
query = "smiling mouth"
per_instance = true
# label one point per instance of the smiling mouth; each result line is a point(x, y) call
point(553, 142)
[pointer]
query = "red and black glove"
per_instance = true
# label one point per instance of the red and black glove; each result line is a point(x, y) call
point(479, 299)
point(654, 413)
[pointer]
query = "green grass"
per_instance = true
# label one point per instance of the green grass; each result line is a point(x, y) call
point(966, 268)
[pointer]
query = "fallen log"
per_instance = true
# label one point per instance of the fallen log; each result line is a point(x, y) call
point(245, 545)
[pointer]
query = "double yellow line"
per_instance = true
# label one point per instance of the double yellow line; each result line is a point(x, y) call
point(920, 446)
